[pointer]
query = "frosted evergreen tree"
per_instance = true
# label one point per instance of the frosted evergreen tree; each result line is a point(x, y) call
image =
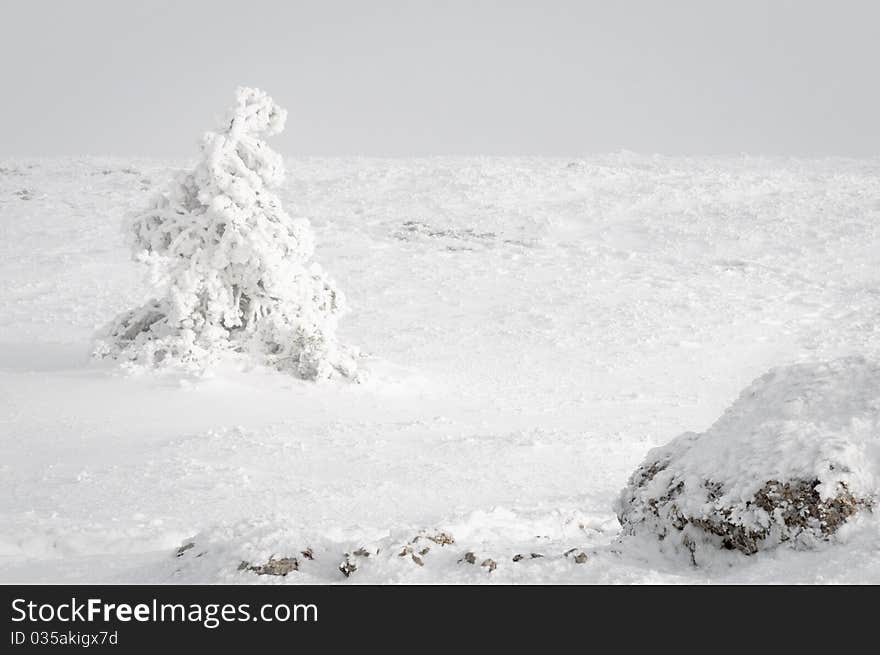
point(233, 267)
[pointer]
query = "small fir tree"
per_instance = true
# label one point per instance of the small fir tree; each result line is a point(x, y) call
point(233, 267)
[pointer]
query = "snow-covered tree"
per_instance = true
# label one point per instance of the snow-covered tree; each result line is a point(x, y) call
point(233, 267)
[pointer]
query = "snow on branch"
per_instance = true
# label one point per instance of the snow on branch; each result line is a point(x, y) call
point(235, 269)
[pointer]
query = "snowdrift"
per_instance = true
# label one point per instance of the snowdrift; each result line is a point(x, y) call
point(789, 462)
point(536, 326)
point(478, 547)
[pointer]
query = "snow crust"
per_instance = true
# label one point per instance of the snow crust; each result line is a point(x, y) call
point(534, 327)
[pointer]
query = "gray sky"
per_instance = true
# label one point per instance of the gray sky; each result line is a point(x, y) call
point(473, 77)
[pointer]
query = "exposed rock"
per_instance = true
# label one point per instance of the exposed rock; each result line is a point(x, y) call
point(274, 566)
point(348, 566)
point(441, 538)
point(185, 547)
point(579, 556)
point(790, 462)
point(350, 560)
point(416, 549)
point(519, 556)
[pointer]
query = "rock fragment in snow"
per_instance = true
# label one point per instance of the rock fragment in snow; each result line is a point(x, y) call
point(579, 556)
point(280, 567)
point(348, 566)
point(416, 548)
point(519, 556)
point(349, 562)
point(185, 547)
point(439, 537)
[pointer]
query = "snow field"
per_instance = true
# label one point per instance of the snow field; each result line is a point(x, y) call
point(534, 327)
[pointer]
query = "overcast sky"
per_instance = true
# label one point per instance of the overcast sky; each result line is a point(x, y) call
point(412, 78)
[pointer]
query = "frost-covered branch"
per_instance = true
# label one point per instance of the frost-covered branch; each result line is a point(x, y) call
point(236, 270)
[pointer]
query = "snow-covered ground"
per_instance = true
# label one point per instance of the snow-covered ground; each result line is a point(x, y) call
point(533, 327)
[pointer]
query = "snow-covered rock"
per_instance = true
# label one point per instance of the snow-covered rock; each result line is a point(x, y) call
point(790, 461)
point(485, 546)
point(233, 267)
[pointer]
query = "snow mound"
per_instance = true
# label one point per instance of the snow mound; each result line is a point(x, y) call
point(790, 461)
point(499, 545)
point(267, 549)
